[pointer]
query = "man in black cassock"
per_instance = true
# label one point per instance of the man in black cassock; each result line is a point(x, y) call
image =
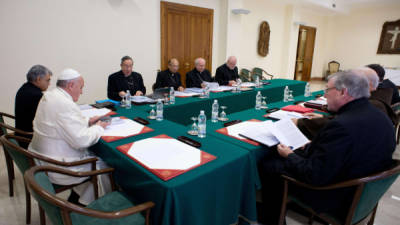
point(359, 141)
point(170, 77)
point(28, 97)
point(125, 79)
point(199, 75)
point(227, 74)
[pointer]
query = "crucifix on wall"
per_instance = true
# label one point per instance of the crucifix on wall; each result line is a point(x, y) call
point(390, 38)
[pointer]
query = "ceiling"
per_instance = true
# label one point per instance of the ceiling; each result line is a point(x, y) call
point(340, 6)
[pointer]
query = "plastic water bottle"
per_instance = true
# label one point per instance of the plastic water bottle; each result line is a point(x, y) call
point(207, 91)
point(307, 92)
point(258, 81)
point(128, 102)
point(172, 96)
point(159, 110)
point(286, 94)
point(214, 111)
point(239, 85)
point(258, 100)
point(202, 125)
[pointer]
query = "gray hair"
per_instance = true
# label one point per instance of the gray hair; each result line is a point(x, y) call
point(126, 58)
point(64, 83)
point(373, 79)
point(357, 86)
point(197, 61)
point(37, 71)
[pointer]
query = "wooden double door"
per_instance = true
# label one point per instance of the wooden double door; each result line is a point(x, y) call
point(186, 34)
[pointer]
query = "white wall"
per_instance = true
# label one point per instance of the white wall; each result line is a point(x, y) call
point(355, 37)
point(90, 36)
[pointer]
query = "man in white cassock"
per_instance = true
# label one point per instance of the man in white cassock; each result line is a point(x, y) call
point(61, 132)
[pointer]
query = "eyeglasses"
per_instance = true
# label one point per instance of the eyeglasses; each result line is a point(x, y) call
point(327, 89)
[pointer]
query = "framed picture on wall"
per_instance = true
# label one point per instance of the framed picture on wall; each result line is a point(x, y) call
point(390, 38)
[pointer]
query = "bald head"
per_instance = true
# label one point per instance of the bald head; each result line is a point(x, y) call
point(231, 62)
point(200, 64)
point(173, 65)
point(371, 76)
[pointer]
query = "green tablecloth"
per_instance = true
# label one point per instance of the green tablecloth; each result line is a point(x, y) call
point(258, 152)
point(214, 193)
point(184, 108)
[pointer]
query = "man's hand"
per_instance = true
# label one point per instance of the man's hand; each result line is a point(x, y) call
point(139, 93)
point(295, 121)
point(203, 85)
point(284, 150)
point(232, 82)
point(180, 88)
point(122, 94)
point(313, 115)
point(103, 124)
point(94, 119)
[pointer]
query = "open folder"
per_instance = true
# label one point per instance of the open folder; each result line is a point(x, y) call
point(165, 156)
point(283, 131)
point(234, 130)
point(123, 128)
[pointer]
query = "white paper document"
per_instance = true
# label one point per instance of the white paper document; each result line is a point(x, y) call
point(85, 106)
point(281, 114)
point(95, 112)
point(234, 130)
point(222, 88)
point(122, 128)
point(165, 153)
point(246, 84)
point(288, 134)
point(142, 99)
point(185, 94)
point(283, 131)
point(260, 133)
point(195, 90)
point(319, 101)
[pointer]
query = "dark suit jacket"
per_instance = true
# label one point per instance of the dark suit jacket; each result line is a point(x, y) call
point(117, 83)
point(380, 98)
point(194, 78)
point(389, 84)
point(26, 102)
point(359, 141)
point(223, 74)
point(167, 79)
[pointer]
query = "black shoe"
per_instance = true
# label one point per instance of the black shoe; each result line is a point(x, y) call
point(263, 218)
point(74, 198)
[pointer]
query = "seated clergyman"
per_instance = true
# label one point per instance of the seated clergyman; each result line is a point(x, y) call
point(61, 132)
point(359, 141)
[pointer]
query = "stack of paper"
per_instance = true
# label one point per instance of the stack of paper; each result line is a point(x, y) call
point(283, 131)
point(123, 128)
point(142, 99)
point(319, 101)
point(183, 94)
point(246, 84)
point(222, 88)
point(195, 90)
point(96, 112)
point(234, 130)
point(164, 156)
point(280, 114)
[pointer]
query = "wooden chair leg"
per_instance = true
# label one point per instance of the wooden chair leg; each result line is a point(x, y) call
point(28, 205)
point(284, 201)
point(311, 219)
point(42, 216)
point(372, 219)
point(10, 172)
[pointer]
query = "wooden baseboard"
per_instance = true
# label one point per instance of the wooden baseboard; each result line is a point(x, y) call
point(316, 79)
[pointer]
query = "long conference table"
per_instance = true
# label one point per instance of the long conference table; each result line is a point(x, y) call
point(220, 192)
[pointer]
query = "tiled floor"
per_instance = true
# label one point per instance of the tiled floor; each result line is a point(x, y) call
point(12, 210)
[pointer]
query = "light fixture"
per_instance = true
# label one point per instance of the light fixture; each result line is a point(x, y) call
point(240, 11)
